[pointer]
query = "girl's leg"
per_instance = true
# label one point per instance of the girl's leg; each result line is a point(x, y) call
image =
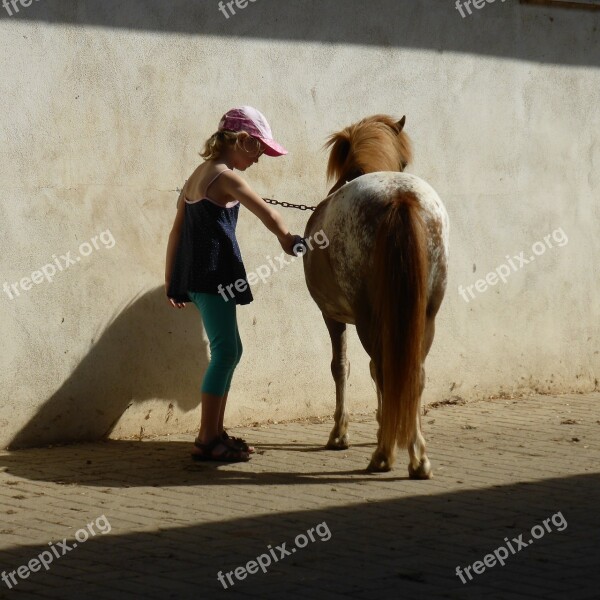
point(239, 356)
point(210, 410)
point(219, 319)
point(222, 411)
point(237, 442)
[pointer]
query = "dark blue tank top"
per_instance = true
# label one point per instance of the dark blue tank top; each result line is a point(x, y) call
point(208, 258)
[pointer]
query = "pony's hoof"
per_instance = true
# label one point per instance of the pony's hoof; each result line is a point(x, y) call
point(423, 471)
point(379, 465)
point(338, 443)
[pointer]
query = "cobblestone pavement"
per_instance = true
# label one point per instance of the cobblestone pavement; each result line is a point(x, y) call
point(501, 467)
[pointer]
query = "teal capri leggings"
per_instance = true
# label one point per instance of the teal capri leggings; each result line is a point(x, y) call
point(220, 322)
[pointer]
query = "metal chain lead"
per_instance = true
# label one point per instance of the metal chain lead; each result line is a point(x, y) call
point(288, 205)
point(271, 201)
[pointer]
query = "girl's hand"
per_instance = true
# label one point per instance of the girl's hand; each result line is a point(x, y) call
point(172, 302)
point(176, 304)
point(288, 242)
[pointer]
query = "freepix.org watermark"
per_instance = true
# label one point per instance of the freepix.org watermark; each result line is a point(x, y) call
point(45, 558)
point(12, 6)
point(264, 560)
point(515, 263)
point(478, 4)
point(58, 264)
point(516, 545)
point(241, 4)
point(263, 272)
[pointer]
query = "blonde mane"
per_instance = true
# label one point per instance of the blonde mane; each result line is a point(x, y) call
point(376, 143)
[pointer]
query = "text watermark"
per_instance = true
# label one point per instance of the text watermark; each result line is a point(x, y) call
point(241, 4)
point(264, 560)
point(12, 6)
point(264, 271)
point(59, 263)
point(466, 4)
point(45, 558)
point(504, 270)
point(501, 553)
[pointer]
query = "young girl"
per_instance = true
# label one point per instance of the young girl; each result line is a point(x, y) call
point(203, 260)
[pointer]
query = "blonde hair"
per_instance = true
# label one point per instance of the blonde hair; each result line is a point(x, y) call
point(218, 142)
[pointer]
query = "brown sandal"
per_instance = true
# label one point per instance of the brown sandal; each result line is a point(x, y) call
point(230, 454)
point(236, 442)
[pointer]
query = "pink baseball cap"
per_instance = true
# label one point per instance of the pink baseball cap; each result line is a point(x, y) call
point(252, 121)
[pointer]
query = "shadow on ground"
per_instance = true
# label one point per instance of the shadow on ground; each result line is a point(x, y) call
point(408, 547)
point(161, 463)
point(149, 351)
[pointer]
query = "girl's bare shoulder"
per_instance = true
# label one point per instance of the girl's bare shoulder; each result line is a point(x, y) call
point(201, 178)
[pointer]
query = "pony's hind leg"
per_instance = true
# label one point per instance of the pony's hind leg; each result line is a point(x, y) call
point(419, 466)
point(340, 369)
point(382, 458)
point(379, 396)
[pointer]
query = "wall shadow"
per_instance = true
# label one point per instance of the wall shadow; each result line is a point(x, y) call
point(150, 350)
point(407, 547)
point(512, 30)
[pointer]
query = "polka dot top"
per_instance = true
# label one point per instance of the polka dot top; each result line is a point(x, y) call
point(208, 258)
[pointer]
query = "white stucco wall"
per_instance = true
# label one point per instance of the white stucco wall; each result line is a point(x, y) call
point(101, 123)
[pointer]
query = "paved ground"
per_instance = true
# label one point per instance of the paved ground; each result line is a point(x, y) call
point(501, 467)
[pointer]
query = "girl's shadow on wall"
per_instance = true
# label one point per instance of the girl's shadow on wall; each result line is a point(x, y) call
point(150, 351)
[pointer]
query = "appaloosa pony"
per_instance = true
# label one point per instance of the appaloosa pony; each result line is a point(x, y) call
point(384, 271)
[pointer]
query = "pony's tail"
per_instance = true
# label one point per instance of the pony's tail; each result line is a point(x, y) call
point(399, 311)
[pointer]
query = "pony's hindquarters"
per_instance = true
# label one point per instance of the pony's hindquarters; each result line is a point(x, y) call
point(384, 270)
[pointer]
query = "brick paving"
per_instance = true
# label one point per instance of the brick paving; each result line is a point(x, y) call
point(500, 468)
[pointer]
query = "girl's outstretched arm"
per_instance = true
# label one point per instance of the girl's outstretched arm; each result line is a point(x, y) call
point(236, 187)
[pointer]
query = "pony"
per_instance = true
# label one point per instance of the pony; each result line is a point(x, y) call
point(384, 271)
